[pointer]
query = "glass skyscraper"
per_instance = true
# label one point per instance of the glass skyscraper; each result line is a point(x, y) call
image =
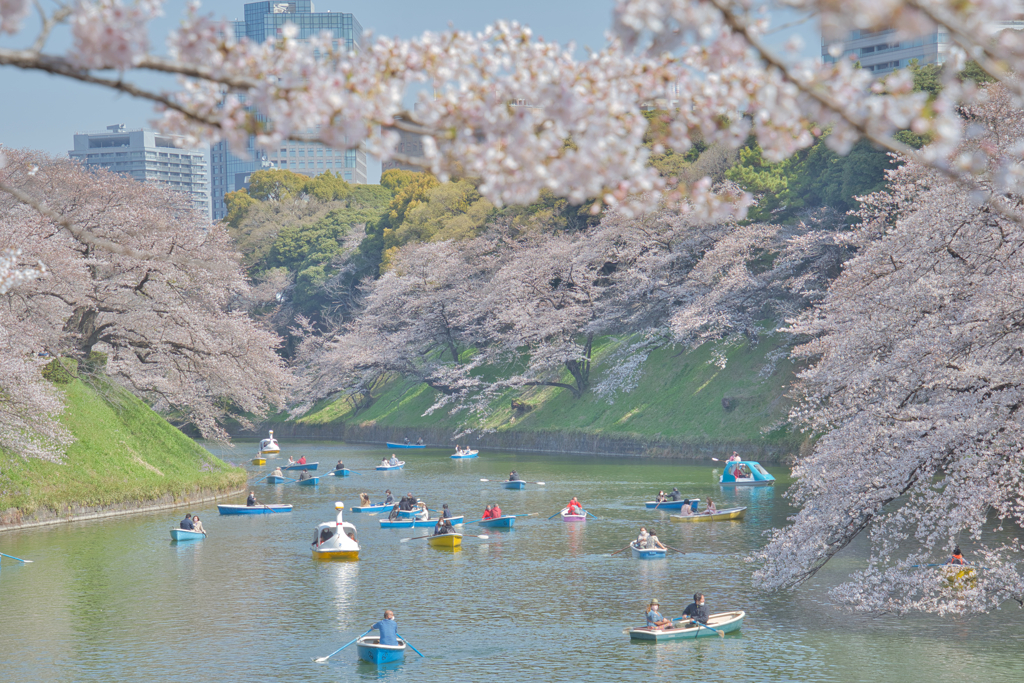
point(263, 21)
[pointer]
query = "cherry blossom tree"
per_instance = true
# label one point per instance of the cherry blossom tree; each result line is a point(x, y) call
point(160, 310)
point(915, 388)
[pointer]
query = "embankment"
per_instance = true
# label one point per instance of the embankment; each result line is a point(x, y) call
point(126, 459)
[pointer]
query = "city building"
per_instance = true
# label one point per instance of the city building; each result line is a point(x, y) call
point(883, 51)
point(265, 20)
point(409, 144)
point(149, 157)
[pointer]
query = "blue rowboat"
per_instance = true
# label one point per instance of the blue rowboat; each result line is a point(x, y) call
point(504, 522)
point(312, 481)
point(726, 622)
point(186, 535)
point(746, 473)
point(370, 650)
point(519, 484)
point(672, 504)
point(464, 455)
point(400, 465)
point(406, 445)
point(254, 510)
point(274, 479)
point(380, 507)
point(344, 472)
point(420, 523)
point(646, 553)
point(311, 466)
point(421, 513)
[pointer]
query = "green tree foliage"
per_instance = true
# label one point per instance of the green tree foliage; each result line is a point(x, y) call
point(409, 189)
point(238, 204)
point(277, 185)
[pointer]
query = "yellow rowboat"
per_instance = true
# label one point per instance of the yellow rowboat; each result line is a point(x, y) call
point(720, 516)
point(446, 541)
point(259, 461)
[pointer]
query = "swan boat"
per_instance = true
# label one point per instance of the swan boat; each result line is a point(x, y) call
point(745, 473)
point(335, 540)
point(269, 445)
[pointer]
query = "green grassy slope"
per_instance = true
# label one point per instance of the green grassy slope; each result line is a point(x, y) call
point(122, 455)
point(678, 399)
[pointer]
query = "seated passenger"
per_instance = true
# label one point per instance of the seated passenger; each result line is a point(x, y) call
point(364, 500)
point(654, 618)
point(393, 461)
point(641, 540)
point(304, 475)
point(687, 508)
point(495, 511)
point(958, 557)
point(393, 515)
point(340, 465)
point(514, 476)
point(187, 523)
point(487, 513)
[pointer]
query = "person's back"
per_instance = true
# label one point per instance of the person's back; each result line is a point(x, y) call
point(514, 476)
point(304, 475)
point(687, 508)
point(405, 504)
point(652, 542)
point(277, 472)
point(388, 628)
point(187, 523)
point(340, 465)
point(394, 513)
point(676, 495)
point(495, 512)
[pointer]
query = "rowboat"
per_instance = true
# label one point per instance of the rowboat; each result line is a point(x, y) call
point(259, 461)
point(254, 510)
point(370, 650)
point(274, 479)
point(720, 516)
point(673, 504)
point(745, 473)
point(463, 455)
point(379, 507)
point(312, 481)
point(517, 484)
point(503, 522)
point(186, 535)
point(418, 513)
point(419, 523)
point(269, 445)
point(566, 517)
point(311, 466)
point(445, 541)
point(405, 445)
point(646, 553)
point(335, 540)
point(400, 465)
point(723, 621)
point(343, 472)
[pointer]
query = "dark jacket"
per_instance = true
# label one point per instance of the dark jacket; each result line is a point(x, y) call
point(187, 524)
point(389, 500)
point(697, 612)
point(251, 500)
point(405, 504)
point(393, 514)
point(675, 495)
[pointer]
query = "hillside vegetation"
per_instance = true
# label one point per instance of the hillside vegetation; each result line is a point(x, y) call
point(124, 454)
point(679, 400)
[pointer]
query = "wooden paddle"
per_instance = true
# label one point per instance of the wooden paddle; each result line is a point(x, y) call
point(621, 549)
point(671, 548)
point(324, 659)
point(409, 644)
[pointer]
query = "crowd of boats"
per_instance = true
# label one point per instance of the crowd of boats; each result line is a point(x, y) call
point(337, 539)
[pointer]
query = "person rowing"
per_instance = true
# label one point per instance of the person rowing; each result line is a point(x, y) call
point(445, 512)
point(710, 509)
point(697, 611)
point(277, 472)
point(675, 495)
point(393, 515)
point(394, 460)
point(339, 466)
point(304, 475)
point(574, 507)
point(251, 500)
point(958, 557)
point(388, 628)
point(388, 498)
point(514, 476)
point(653, 543)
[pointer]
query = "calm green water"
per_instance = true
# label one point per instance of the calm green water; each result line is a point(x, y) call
point(116, 600)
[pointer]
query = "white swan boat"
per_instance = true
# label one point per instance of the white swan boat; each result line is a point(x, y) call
point(335, 540)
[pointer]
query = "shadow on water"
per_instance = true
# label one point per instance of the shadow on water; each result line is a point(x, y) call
point(114, 600)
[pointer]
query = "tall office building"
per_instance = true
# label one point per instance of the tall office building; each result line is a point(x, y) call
point(265, 20)
point(147, 156)
point(883, 52)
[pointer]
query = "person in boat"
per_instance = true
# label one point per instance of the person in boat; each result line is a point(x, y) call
point(304, 475)
point(419, 442)
point(407, 441)
point(653, 543)
point(495, 511)
point(388, 628)
point(251, 500)
point(654, 618)
point(675, 495)
point(442, 527)
point(735, 457)
point(697, 611)
point(421, 510)
point(445, 512)
point(364, 500)
point(574, 507)
point(197, 525)
point(407, 503)
point(291, 461)
point(339, 466)
point(384, 462)
point(277, 472)
point(514, 476)
point(641, 540)
point(325, 535)
point(388, 498)
point(687, 508)
point(302, 460)
point(711, 509)
point(958, 557)
point(393, 515)
point(487, 513)
point(661, 497)
point(187, 523)
point(393, 461)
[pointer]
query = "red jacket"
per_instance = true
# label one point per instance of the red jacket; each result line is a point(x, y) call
point(495, 512)
point(302, 460)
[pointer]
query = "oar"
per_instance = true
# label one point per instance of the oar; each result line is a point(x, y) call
point(555, 515)
point(591, 514)
point(409, 644)
point(260, 479)
point(17, 558)
point(531, 514)
point(721, 634)
point(621, 549)
point(671, 548)
point(324, 659)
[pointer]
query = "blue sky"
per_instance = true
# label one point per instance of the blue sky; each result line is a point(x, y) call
point(44, 112)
